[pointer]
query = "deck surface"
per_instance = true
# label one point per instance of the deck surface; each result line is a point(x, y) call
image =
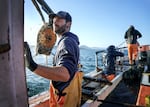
point(122, 94)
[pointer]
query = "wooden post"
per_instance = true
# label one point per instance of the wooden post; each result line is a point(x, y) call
point(13, 91)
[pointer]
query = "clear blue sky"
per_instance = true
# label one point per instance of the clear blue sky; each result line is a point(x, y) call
point(98, 23)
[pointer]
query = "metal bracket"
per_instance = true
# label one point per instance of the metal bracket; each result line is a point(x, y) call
point(4, 48)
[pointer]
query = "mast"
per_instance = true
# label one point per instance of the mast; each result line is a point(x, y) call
point(13, 91)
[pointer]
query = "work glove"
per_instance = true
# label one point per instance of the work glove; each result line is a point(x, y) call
point(28, 58)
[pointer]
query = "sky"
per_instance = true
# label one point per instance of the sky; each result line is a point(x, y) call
point(98, 23)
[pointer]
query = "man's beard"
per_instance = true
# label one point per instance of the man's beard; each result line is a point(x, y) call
point(61, 29)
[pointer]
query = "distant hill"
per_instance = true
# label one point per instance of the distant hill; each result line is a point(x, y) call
point(93, 48)
point(84, 47)
point(98, 48)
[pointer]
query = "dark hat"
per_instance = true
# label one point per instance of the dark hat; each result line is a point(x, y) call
point(131, 27)
point(111, 47)
point(62, 14)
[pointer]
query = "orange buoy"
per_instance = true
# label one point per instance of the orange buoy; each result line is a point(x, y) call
point(110, 77)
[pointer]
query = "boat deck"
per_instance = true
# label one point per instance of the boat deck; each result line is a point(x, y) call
point(122, 94)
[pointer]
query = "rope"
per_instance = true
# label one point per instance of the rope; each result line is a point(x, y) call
point(121, 43)
point(39, 10)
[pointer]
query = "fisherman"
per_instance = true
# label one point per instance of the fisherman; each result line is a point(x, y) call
point(131, 37)
point(65, 88)
point(111, 59)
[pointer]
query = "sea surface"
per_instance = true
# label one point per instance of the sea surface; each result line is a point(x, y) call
point(37, 84)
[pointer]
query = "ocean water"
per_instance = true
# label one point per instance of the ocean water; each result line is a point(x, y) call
point(37, 84)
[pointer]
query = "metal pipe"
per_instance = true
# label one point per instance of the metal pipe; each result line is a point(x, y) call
point(97, 80)
point(96, 61)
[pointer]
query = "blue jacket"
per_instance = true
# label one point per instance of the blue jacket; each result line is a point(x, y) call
point(67, 55)
point(111, 59)
point(132, 35)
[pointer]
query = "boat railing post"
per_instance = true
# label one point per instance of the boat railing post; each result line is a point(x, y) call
point(96, 61)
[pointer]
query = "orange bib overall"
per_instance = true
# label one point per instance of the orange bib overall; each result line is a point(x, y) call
point(71, 95)
point(132, 52)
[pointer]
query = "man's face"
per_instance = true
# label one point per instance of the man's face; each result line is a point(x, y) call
point(59, 25)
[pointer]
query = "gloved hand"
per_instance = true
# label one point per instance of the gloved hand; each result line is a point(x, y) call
point(28, 58)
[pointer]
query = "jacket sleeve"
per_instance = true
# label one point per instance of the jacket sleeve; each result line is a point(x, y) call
point(119, 54)
point(138, 33)
point(125, 36)
point(67, 58)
